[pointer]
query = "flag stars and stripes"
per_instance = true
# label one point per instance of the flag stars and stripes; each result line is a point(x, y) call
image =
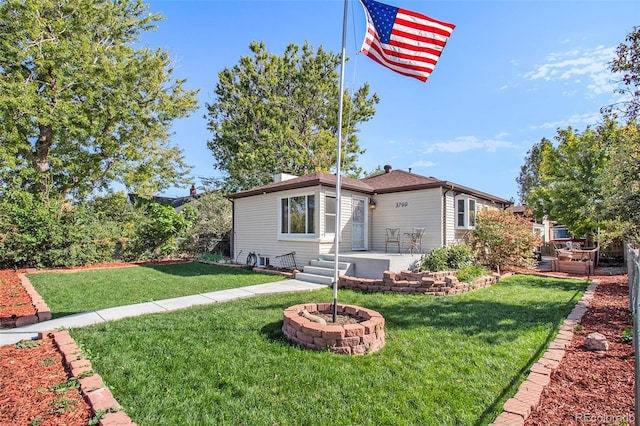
point(406, 42)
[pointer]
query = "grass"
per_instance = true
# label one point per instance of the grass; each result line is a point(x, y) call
point(447, 361)
point(72, 292)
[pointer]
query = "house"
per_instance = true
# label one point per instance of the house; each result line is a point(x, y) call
point(297, 214)
point(175, 202)
point(540, 227)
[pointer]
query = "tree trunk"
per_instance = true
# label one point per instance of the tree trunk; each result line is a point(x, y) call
point(43, 146)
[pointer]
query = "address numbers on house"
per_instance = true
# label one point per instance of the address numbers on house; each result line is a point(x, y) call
point(402, 204)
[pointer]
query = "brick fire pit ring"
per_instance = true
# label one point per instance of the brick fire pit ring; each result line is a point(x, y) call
point(363, 337)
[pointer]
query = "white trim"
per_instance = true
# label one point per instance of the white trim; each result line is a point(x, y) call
point(467, 201)
point(364, 224)
point(301, 236)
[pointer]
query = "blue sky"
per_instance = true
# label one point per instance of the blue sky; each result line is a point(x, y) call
point(512, 73)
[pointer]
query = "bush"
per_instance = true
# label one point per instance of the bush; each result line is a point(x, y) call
point(454, 256)
point(469, 273)
point(41, 231)
point(503, 239)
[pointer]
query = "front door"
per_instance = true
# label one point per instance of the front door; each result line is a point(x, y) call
point(358, 224)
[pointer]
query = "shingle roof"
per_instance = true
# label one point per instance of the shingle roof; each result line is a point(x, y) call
point(399, 180)
point(317, 178)
point(388, 182)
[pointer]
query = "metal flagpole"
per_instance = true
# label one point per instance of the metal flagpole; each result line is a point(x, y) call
point(336, 242)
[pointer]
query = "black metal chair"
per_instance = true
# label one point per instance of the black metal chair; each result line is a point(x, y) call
point(392, 235)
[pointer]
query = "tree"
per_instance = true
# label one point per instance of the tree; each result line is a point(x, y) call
point(571, 178)
point(529, 177)
point(627, 63)
point(501, 238)
point(213, 223)
point(157, 233)
point(277, 114)
point(621, 194)
point(80, 105)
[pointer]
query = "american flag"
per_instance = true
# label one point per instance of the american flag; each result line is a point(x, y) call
point(407, 42)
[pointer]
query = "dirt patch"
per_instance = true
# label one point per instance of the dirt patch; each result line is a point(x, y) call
point(340, 318)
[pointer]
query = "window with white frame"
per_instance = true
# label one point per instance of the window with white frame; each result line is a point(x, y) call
point(297, 214)
point(329, 214)
point(465, 213)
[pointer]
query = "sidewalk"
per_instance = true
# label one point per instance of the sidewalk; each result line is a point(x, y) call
point(14, 335)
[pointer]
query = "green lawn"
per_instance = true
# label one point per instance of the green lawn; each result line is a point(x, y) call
point(71, 292)
point(447, 361)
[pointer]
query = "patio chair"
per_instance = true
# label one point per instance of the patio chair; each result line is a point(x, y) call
point(413, 240)
point(392, 235)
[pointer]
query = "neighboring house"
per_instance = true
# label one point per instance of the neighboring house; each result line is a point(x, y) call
point(175, 202)
point(298, 214)
point(542, 228)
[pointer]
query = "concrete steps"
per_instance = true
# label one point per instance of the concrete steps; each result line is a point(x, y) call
point(321, 272)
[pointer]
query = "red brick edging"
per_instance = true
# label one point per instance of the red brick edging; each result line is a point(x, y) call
point(43, 313)
point(93, 389)
point(348, 339)
point(443, 283)
point(518, 408)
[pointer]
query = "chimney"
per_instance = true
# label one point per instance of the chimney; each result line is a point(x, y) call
point(192, 191)
point(387, 168)
point(279, 177)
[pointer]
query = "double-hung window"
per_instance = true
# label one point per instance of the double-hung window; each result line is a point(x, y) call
point(297, 215)
point(329, 214)
point(465, 213)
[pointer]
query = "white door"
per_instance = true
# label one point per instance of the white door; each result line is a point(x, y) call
point(358, 224)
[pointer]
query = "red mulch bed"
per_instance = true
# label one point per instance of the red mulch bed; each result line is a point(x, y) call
point(585, 384)
point(35, 387)
point(591, 387)
point(14, 300)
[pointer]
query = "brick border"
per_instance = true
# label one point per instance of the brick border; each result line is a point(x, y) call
point(350, 339)
point(518, 408)
point(92, 388)
point(43, 313)
point(443, 283)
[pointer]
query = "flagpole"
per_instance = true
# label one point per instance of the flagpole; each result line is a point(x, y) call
point(336, 243)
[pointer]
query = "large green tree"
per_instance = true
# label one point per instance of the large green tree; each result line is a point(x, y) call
point(571, 177)
point(621, 194)
point(277, 114)
point(81, 105)
point(529, 177)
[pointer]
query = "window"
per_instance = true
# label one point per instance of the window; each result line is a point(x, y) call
point(329, 214)
point(296, 215)
point(465, 213)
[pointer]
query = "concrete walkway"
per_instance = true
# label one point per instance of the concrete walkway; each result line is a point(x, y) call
point(14, 335)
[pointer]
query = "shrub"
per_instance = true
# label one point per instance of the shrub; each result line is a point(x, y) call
point(469, 273)
point(156, 234)
point(503, 239)
point(454, 256)
point(436, 260)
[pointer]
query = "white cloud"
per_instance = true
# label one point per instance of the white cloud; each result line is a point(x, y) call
point(468, 143)
point(578, 65)
point(423, 164)
point(574, 120)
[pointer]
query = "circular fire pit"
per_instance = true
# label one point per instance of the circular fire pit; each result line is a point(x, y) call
point(363, 334)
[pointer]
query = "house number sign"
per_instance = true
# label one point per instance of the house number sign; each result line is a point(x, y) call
point(402, 204)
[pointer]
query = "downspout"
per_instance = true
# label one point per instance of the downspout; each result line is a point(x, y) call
point(232, 241)
point(444, 216)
